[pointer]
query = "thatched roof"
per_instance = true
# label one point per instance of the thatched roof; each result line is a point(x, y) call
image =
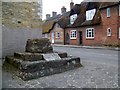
point(62, 20)
point(108, 4)
point(81, 19)
point(96, 20)
point(49, 23)
point(47, 26)
point(75, 9)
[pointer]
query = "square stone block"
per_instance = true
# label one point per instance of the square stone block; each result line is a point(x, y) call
point(42, 45)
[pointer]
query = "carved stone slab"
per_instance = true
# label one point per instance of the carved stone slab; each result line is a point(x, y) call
point(51, 56)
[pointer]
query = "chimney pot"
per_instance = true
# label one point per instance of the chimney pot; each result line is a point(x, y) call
point(54, 14)
point(63, 10)
point(71, 5)
point(47, 16)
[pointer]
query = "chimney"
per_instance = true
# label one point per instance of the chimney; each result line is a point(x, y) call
point(54, 14)
point(63, 10)
point(47, 16)
point(71, 4)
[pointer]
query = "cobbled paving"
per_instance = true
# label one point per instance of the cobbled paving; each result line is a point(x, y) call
point(91, 75)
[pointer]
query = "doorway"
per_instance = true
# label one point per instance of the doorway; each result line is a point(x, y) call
point(52, 37)
point(67, 39)
point(80, 38)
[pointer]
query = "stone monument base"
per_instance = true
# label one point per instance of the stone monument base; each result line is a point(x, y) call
point(35, 63)
point(35, 69)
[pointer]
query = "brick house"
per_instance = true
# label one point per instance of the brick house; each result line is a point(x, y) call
point(53, 28)
point(92, 24)
point(110, 14)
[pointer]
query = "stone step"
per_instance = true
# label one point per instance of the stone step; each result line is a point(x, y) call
point(28, 56)
point(13, 61)
point(42, 65)
point(32, 66)
point(46, 72)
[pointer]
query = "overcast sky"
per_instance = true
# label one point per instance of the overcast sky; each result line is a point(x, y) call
point(55, 5)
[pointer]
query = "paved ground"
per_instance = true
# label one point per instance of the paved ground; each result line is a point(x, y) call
point(91, 75)
point(0, 73)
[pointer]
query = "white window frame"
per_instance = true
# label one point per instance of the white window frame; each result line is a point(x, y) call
point(73, 34)
point(73, 18)
point(90, 33)
point(119, 10)
point(90, 14)
point(109, 32)
point(108, 12)
point(58, 34)
point(119, 32)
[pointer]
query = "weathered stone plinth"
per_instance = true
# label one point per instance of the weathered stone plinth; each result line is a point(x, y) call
point(35, 69)
point(35, 63)
point(35, 46)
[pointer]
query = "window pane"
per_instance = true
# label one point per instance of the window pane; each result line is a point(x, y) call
point(90, 14)
point(57, 34)
point(73, 18)
point(119, 10)
point(108, 32)
point(73, 34)
point(119, 32)
point(92, 33)
point(108, 12)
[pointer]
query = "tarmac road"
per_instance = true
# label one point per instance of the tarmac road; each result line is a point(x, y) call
point(109, 57)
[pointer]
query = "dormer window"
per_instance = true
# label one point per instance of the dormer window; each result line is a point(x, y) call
point(73, 18)
point(90, 14)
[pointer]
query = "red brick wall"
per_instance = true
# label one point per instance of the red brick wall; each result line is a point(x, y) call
point(57, 40)
point(113, 23)
point(72, 41)
point(96, 41)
